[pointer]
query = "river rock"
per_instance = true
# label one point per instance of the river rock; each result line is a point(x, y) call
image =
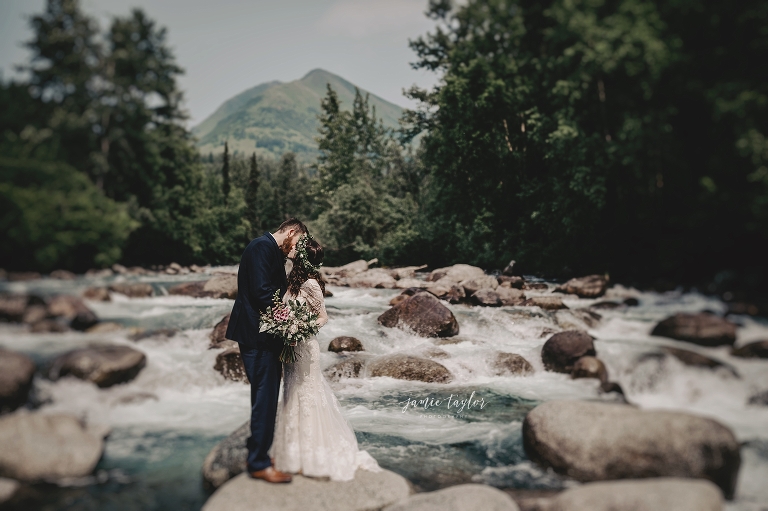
point(590, 367)
point(505, 364)
point(435, 352)
point(397, 299)
point(562, 350)
point(12, 307)
point(655, 494)
point(607, 305)
point(351, 367)
point(761, 398)
point(367, 491)
point(348, 270)
point(409, 283)
point(577, 319)
point(591, 286)
point(757, 349)
point(104, 365)
point(406, 272)
point(16, 373)
point(513, 282)
point(227, 459)
point(486, 298)
point(62, 275)
point(50, 326)
point(345, 343)
point(34, 313)
point(510, 296)
point(48, 447)
point(408, 367)
point(97, 294)
point(702, 328)
point(423, 314)
point(477, 283)
point(8, 489)
point(133, 289)
point(456, 273)
point(461, 497)
point(230, 365)
point(193, 289)
point(535, 286)
point(375, 278)
point(546, 302)
point(221, 286)
point(217, 336)
point(693, 359)
point(591, 441)
point(74, 310)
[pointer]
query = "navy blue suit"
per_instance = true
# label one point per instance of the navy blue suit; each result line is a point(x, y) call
point(261, 273)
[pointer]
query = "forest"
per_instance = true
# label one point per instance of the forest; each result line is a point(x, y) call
point(625, 137)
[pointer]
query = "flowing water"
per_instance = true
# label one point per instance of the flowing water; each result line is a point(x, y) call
point(166, 420)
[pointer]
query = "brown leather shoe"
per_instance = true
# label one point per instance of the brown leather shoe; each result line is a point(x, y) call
point(271, 475)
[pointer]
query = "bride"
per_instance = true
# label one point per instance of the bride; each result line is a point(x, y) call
point(312, 437)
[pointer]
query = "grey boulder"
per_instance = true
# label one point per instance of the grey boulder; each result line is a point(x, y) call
point(592, 441)
point(366, 492)
point(345, 343)
point(351, 367)
point(105, 365)
point(757, 349)
point(702, 328)
point(133, 289)
point(504, 364)
point(591, 286)
point(230, 365)
point(16, 373)
point(461, 497)
point(408, 367)
point(423, 314)
point(562, 350)
point(227, 459)
point(48, 447)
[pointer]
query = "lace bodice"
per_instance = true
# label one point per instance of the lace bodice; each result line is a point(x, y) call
point(312, 294)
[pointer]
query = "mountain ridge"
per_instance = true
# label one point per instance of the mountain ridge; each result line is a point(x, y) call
point(276, 117)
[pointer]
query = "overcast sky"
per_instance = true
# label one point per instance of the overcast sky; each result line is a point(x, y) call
point(227, 46)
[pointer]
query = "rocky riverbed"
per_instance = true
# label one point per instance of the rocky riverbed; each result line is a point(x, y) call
point(462, 385)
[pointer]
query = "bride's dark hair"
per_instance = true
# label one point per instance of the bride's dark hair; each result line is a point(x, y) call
point(300, 274)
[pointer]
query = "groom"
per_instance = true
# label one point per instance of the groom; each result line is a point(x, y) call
point(261, 273)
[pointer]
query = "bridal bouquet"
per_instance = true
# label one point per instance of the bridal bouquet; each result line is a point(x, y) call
point(293, 322)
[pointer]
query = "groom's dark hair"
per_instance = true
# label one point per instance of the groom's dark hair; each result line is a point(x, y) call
point(293, 223)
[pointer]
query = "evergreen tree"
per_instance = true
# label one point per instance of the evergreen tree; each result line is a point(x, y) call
point(225, 173)
point(251, 195)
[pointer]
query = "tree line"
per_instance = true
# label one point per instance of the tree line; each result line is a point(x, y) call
point(618, 136)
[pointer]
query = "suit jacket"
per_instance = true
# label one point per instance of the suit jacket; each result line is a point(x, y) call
point(261, 273)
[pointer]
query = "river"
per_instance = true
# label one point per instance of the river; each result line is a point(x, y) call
point(166, 420)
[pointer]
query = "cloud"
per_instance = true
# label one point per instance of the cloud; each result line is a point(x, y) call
point(362, 18)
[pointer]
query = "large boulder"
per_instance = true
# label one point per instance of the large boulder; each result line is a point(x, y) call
point(694, 359)
point(702, 328)
point(562, 350)
point(42, 447)
point(591, 286)
point(510, 296)
point(230, 365)
point(590, 367)
point(504, 364)
point(756, 349)
point(592, 441)
point(461, 497)
point(655, 494)
point(345, 343)
point(221, 286)
point(550, 303)
point(408, 367)
point(104, 365)
point(423, 314)
point(477, 283)
point(227, 459)
point(507, 281)
point(577, 319)
point(12, 307)
point(376, 278)
point(351, 367)
point(74, 310)
point(456, 273)
point(16, 374)
point(97, 294)
point(348, 270)
point(133, 289)
point(218, 334)
point(486, 298)
point(366, 492)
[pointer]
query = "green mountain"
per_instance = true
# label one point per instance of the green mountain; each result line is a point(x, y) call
point(275, 117)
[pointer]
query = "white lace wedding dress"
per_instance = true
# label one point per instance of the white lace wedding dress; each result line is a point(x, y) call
point(311, 434)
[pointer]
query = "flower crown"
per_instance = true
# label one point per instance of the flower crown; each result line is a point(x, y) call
point(301, 253)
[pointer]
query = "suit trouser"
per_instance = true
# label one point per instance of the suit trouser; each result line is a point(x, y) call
point(264, 371)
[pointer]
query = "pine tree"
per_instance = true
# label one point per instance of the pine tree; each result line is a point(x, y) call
point(251, 194)
point(225, 173)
